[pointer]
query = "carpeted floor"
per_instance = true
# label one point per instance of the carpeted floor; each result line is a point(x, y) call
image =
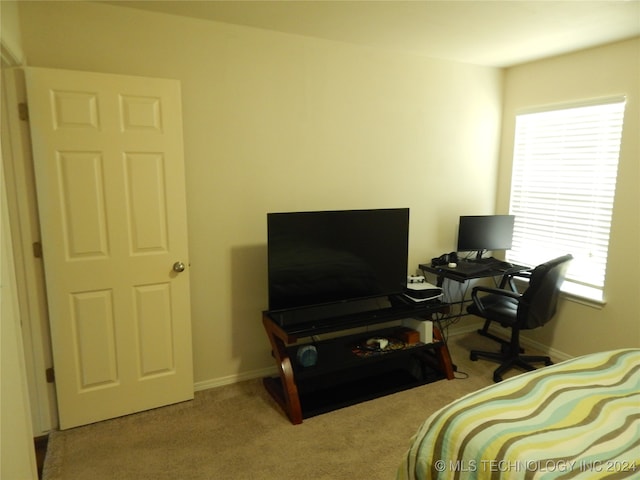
point(238, 432)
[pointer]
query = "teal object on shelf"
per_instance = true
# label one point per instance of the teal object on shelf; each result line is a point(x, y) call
point(307, 355)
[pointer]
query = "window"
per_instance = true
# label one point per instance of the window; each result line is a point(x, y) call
point(563, 185)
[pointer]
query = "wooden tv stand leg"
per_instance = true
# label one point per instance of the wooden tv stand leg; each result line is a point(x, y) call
point(286, 394)
point(442, 352)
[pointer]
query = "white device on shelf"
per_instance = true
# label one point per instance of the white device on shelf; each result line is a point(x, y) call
point(422, 291)
point(423, 327)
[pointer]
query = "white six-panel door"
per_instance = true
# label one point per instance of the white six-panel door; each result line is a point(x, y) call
point(109, 167)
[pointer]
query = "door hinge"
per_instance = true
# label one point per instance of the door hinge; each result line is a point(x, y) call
point(23, 111)
point(37, 249)
point(50, 375)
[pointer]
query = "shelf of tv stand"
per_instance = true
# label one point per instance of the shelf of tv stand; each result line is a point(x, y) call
point(340, 377)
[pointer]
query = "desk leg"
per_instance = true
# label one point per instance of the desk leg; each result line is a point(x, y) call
point(284, 392)
point(442, 353)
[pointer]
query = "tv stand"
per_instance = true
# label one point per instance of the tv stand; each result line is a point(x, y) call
point(342, 375)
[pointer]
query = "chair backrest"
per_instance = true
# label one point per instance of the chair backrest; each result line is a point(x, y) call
point(540, 300)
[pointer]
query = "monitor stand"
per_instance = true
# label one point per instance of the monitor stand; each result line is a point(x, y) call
point(479, 254)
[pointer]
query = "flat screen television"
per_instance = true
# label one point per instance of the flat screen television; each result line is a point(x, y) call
point(479, 233)
point(328, 257)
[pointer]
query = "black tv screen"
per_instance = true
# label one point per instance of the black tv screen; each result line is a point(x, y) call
point(317, 258)
point(485, 232)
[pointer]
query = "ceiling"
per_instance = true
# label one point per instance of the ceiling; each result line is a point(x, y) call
point(494, 33)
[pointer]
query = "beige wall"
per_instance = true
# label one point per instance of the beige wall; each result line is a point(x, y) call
point(10, 31)
point(600, 72)
point(276, 122)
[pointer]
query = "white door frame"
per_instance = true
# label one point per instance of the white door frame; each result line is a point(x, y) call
point(17, 451)
point(23, 215)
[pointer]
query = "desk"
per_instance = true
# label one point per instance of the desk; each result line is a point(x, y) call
point(461, 276)
point(491, 271)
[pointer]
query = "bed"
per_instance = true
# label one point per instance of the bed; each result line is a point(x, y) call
point(577, 419)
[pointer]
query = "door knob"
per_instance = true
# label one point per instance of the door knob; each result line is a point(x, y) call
point(178, 267)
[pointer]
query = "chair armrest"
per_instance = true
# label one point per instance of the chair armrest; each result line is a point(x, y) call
point(521, 273)
point(508, 278)
point(491, 290)
point(495, 291)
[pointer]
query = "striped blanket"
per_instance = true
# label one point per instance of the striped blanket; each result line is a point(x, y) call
point(577, 419)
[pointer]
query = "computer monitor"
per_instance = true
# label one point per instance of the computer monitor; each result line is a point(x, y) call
point(479, 233)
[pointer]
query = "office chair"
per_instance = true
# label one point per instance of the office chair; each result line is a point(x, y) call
point(506, 281)
point(531, 309)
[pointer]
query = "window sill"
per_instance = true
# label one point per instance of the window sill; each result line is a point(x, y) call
point(588, 296)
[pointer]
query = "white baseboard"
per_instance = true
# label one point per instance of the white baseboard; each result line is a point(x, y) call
point(524, 340)
point(552, 352)
point(458, 330)
point(467, 327)
point(231, 379)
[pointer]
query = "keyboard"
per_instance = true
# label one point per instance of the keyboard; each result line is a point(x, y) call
point(502, 265)
point(494, 264)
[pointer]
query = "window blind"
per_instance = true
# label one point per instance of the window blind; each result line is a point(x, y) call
point(563, 186)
